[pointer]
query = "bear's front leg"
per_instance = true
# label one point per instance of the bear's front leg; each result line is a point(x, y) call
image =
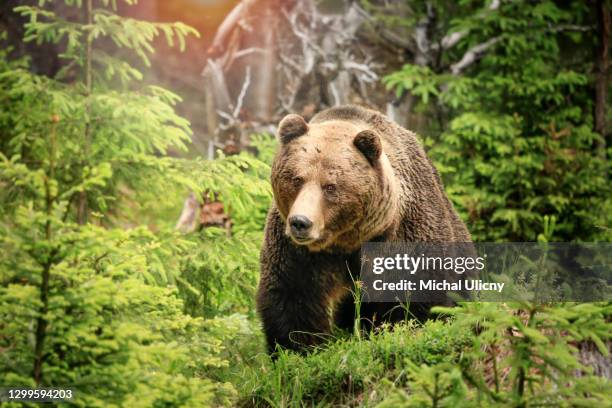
point(292, 318)
point(293, 294)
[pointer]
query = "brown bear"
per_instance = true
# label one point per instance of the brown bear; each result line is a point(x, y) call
point(349, 176)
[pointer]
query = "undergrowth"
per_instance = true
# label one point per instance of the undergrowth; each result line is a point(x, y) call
point(487, 354)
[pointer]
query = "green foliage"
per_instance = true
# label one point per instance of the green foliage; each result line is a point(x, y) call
point(85, 302)
point(220, 275)
point(103, 139)
point(351, 371)
point(419, 80)
point(487, 354)
point(516, 141)
point(526, 354)
point(109, 335)
point(99, 293)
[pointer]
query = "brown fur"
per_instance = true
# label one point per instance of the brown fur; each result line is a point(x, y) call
point(385, 189)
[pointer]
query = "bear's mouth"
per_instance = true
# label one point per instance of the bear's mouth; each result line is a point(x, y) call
point(303, 240)
point(313, 244)
point(324, 240)
point(322, 243)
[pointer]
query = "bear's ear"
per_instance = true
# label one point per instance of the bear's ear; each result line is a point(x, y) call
point(368, 142)
point(290, 127)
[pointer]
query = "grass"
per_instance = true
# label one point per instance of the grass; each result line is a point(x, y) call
point(472, 359)
point(348, 371)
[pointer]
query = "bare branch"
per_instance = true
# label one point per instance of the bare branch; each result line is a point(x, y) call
point(472, 55)
point(368, 74)
point(570, 27)
point(232, 20)
point(247, 51)
point(450, 40)
point(245, 86)
point(307, 45)
point(189, 215)
point(421, 32)
point(334, 91)
point(286, 61)
point(217, 78)
point(385, 33)
point(228, 117)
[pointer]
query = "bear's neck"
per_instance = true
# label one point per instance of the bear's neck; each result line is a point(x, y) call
point(384, 212)
point(383, 216)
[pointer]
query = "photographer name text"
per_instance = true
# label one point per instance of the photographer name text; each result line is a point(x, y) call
point(438, 285)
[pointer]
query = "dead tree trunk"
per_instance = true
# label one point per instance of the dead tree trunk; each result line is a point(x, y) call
point(602, 66)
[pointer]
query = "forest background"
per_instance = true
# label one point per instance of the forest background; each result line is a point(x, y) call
point(101, 152)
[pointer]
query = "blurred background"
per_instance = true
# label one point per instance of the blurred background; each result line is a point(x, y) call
point(117, 119)
point(509, 98)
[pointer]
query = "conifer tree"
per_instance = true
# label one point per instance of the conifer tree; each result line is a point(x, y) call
point(85, 304)
point(509, 108)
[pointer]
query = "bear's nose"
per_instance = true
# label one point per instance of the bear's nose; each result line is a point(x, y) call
point(300, 225)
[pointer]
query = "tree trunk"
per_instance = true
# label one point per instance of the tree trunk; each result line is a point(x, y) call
point(602, 64)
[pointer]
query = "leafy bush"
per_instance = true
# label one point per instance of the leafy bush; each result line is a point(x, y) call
point(350, 371)
point(220, 274)
point(516, 140)
point(99, 293)
point(85, 302)
point(487, 354)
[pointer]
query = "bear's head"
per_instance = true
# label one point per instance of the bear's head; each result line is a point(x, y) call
point(333, 184)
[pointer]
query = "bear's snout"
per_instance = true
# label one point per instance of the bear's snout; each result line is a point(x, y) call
point(300, 226)
point(305, 221)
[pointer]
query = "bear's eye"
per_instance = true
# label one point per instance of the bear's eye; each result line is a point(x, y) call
point(297, 181)
point(329, 188)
